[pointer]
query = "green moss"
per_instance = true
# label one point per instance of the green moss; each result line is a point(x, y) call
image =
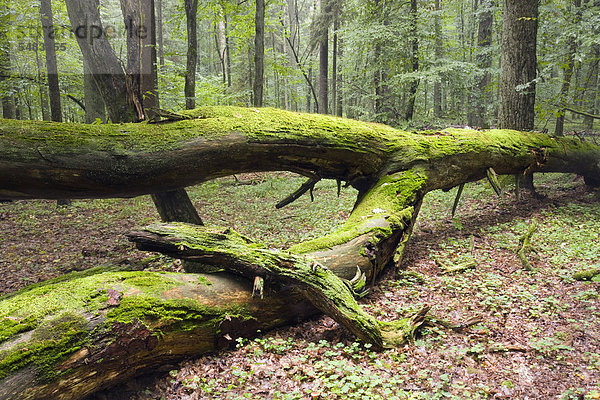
point(52, 342)
point(202, 280)
point(41, 326)
point(388, 206)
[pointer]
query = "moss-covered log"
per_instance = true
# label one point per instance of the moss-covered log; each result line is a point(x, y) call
point(69, 338)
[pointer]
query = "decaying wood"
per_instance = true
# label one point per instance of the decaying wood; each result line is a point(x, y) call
point(525, 245)
point(98, 329)
point(587, 274)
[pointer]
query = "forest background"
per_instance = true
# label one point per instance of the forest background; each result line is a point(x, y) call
point(418, 62)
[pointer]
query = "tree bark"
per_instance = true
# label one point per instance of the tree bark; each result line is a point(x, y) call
point(259, 53)
point(51, 64)
point(95, 109)
point(159, 32)
point(176, 206)
point(438, 52)
point(191, 11)
point(478, 114)
point(101, 60)
point(567, 68)
point(80, 333)
point(592, 85)
point(8, 102)
point(324, 58)
point(414, 84)
point(140, 27)
point(518, 65)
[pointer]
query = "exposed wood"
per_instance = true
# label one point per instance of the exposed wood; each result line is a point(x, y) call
point(234, 252)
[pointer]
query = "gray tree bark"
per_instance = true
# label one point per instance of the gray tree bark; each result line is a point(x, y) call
point(519, 63)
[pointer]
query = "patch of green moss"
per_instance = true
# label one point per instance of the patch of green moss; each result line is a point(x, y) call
point(53, 341)
point(389, 205)
point(177, 314)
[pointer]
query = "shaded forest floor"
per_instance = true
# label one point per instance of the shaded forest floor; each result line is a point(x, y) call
point(539, 335)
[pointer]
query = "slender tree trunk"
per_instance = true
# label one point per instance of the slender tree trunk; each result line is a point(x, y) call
point(43, 90)
point(437, 85)
point(568, 66)
point(259, 53)
point(414, 85)
point(518, 65)
point(592, 84)
point(159, 32)
point(334, 62)
point(324, 59)
point(478, 115)
point(8, 102)
point(51, 64)
point(191, 12)
point(227, 49)
point(340, 79)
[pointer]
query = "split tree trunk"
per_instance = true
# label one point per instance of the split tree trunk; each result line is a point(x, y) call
point(86, 331)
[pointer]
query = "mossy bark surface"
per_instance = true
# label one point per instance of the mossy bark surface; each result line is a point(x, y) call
point(67, 338)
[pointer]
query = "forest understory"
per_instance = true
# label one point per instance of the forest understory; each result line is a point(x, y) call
point(538, 335)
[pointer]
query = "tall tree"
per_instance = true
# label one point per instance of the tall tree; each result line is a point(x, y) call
point(477, 112)
point(191, 13)
point(51, 64)
point(324, 57)
point(101, 60)
point(140, 27)
point(591, 93)
point(437, 85)
point(519, 62)
point(259, 53)
point(8, 103)
point(567, 67)
point(414, 83)
point(159, 32)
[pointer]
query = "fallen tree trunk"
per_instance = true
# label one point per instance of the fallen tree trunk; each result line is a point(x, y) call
point(87, 331)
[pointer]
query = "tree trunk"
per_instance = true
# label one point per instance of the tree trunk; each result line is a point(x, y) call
point(8, 102)
point(259, 53)
point(414, 84)
point(438, 50)
point(478, 114)
point(44, 104)
point(51, 65)
point(324, 58)
point(567, 68)
point(227, 50)
point(95, 109)
point(334, 66)
point(176, 206)
point(592, 88)
point(140, 28)
point(80, 333)
point(191, 12)
point(518, 64)
point(101, 60)
point(159, 32)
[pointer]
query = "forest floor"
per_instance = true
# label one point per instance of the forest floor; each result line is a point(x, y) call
point(539, 335)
